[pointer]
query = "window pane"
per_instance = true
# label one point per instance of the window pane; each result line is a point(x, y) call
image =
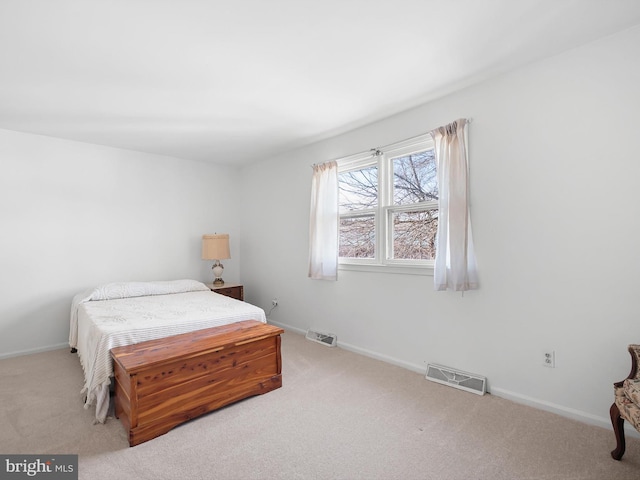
point(358, 189)
point(414, 178)
point(357, 237)
point(414, 235)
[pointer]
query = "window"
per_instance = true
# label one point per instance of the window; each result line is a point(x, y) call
point(389, 207)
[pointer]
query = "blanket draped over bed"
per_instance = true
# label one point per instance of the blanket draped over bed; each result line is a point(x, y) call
point(120, 314)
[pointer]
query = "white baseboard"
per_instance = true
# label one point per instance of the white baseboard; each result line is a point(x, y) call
point(385, 358)
point(579, 415)
point(563, 411)
point(288, 327)
point(551, 407)
point(31, 351)
point(364, 351)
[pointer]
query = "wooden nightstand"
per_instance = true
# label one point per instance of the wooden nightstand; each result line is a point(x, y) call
point(233, 290)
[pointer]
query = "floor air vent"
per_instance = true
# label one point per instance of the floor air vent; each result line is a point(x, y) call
point(457, 379)
point(328, 339)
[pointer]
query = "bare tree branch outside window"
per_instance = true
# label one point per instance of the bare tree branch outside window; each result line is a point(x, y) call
point(413, 229)
point(415, 180)
point(358, 193)
point(358, 189)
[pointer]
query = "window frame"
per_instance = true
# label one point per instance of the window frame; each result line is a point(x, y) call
point(385, 209)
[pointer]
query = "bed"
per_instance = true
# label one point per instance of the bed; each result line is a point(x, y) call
point(119, 314)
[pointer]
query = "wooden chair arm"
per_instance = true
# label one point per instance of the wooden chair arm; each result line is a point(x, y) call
point(634, 350)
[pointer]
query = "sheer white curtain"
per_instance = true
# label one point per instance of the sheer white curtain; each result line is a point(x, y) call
point(455, 264)
point(323, 225)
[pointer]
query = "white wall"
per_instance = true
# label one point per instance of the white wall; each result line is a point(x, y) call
point(76, 215)
point(555, 164)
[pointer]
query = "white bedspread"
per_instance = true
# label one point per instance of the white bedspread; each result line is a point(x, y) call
point(102, 320)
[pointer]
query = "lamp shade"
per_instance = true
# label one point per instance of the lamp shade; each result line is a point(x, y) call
point(215, 247)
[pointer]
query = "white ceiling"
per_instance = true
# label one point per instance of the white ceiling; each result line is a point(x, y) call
point(238, 80)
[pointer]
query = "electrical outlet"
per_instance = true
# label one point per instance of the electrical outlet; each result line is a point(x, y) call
point(549, 358)
point(274, 302)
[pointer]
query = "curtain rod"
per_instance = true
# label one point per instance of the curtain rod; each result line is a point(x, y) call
point(379, 150)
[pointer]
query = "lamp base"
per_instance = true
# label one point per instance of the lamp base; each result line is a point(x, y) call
point(218, 268)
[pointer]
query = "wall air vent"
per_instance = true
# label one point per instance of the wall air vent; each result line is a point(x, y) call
point(328, 339)
point(457, 379)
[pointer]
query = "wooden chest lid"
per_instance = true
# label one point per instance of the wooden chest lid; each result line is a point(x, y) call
point(145, 354)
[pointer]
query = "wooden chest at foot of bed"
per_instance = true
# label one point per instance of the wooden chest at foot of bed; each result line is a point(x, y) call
point(162, 383)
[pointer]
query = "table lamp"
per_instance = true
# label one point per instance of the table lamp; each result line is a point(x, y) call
point(216, 247)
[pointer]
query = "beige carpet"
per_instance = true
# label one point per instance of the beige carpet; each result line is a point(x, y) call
point(338, 416)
